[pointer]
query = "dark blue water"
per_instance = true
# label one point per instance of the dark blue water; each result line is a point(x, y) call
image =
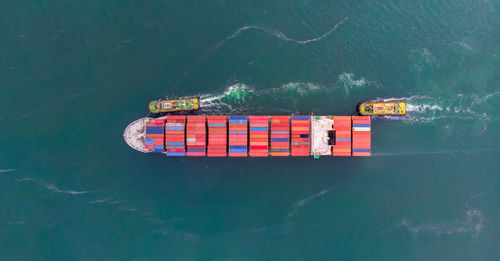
point(73, 74)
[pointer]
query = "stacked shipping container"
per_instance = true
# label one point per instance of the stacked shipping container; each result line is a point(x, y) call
point(361, 136)
point(300, 135)
point(342, 127)
point(155, 135)
point(217, 136)
point(280, 136)
point(196, 136)
point(238, 136)
point(174, 135)
point(259, 136)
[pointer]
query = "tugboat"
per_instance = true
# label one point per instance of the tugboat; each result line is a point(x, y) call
point(182, 104)
point(382, 108)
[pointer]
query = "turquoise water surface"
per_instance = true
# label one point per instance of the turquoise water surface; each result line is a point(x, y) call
point(73, 74)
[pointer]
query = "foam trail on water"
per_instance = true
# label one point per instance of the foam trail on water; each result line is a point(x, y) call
point(241, 98)
point(304, 201)
point(473, 223)
point(427, 109)
point(99, 201)
point(234, 94)
point(348, 82)
point(432, 152)
point(51, 187)
point(7, 170)
point(237, 91)
point(278, 34)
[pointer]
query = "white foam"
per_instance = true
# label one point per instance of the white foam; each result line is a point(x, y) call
point(422, 58)
point(348, 81)
point(428, 109)
point(278, 34)
point(7, 170)
point(20, 222)
point(404, 153)
point(422, 108)
point(51, 187)
point(208, 99)
point(304, 201)
point(99, 201)
point(472, 223)
point(298, 87)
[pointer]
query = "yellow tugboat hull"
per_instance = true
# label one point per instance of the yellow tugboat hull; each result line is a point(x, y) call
point(185, 104)
point(382, 108)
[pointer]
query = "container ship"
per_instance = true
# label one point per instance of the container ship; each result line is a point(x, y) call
point(251, 136)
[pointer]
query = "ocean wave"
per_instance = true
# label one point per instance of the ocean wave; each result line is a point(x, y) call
point(288, 98)
point(127, 206)
point(472, 107)
point(99, 201)
point(278, 34)
point(422, 59)
point(20, 222)
point(348, 82)
point(296, 89)
point(51, 186)
point(241, 98)
point(238, 91)
point(304, 201)
point(225, 101)
point(382, 154)
point(7, 170)
point(472, 222)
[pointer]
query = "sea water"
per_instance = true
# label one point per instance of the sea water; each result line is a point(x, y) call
point(73, 74)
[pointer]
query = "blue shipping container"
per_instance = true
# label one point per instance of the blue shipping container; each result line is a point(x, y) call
point(360, 150)
point(300, 117)
point(154, 130)
point(176, 154)
point(173, 143)
point(237, 132)
point(258, 128)
point(237, 147)
point(280, 132)
point(196, 150)
point(361, 125)
point(238, 150)
point(216, 125)
point(175, 128)
point(237, 117)
point(237, 121)
point(175, 147)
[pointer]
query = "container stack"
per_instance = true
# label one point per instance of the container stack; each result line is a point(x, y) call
point(259, 136)
point(155, 135)
point(280, 136)
point(300, 136)
point(217, 136)
point(361, 136)
point(238, 136)
point(174, 135)
point(196, 136)
point(342, 127)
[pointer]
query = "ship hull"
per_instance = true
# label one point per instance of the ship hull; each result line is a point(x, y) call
point(251, 136)
point(382, 108)
point(175, 105)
